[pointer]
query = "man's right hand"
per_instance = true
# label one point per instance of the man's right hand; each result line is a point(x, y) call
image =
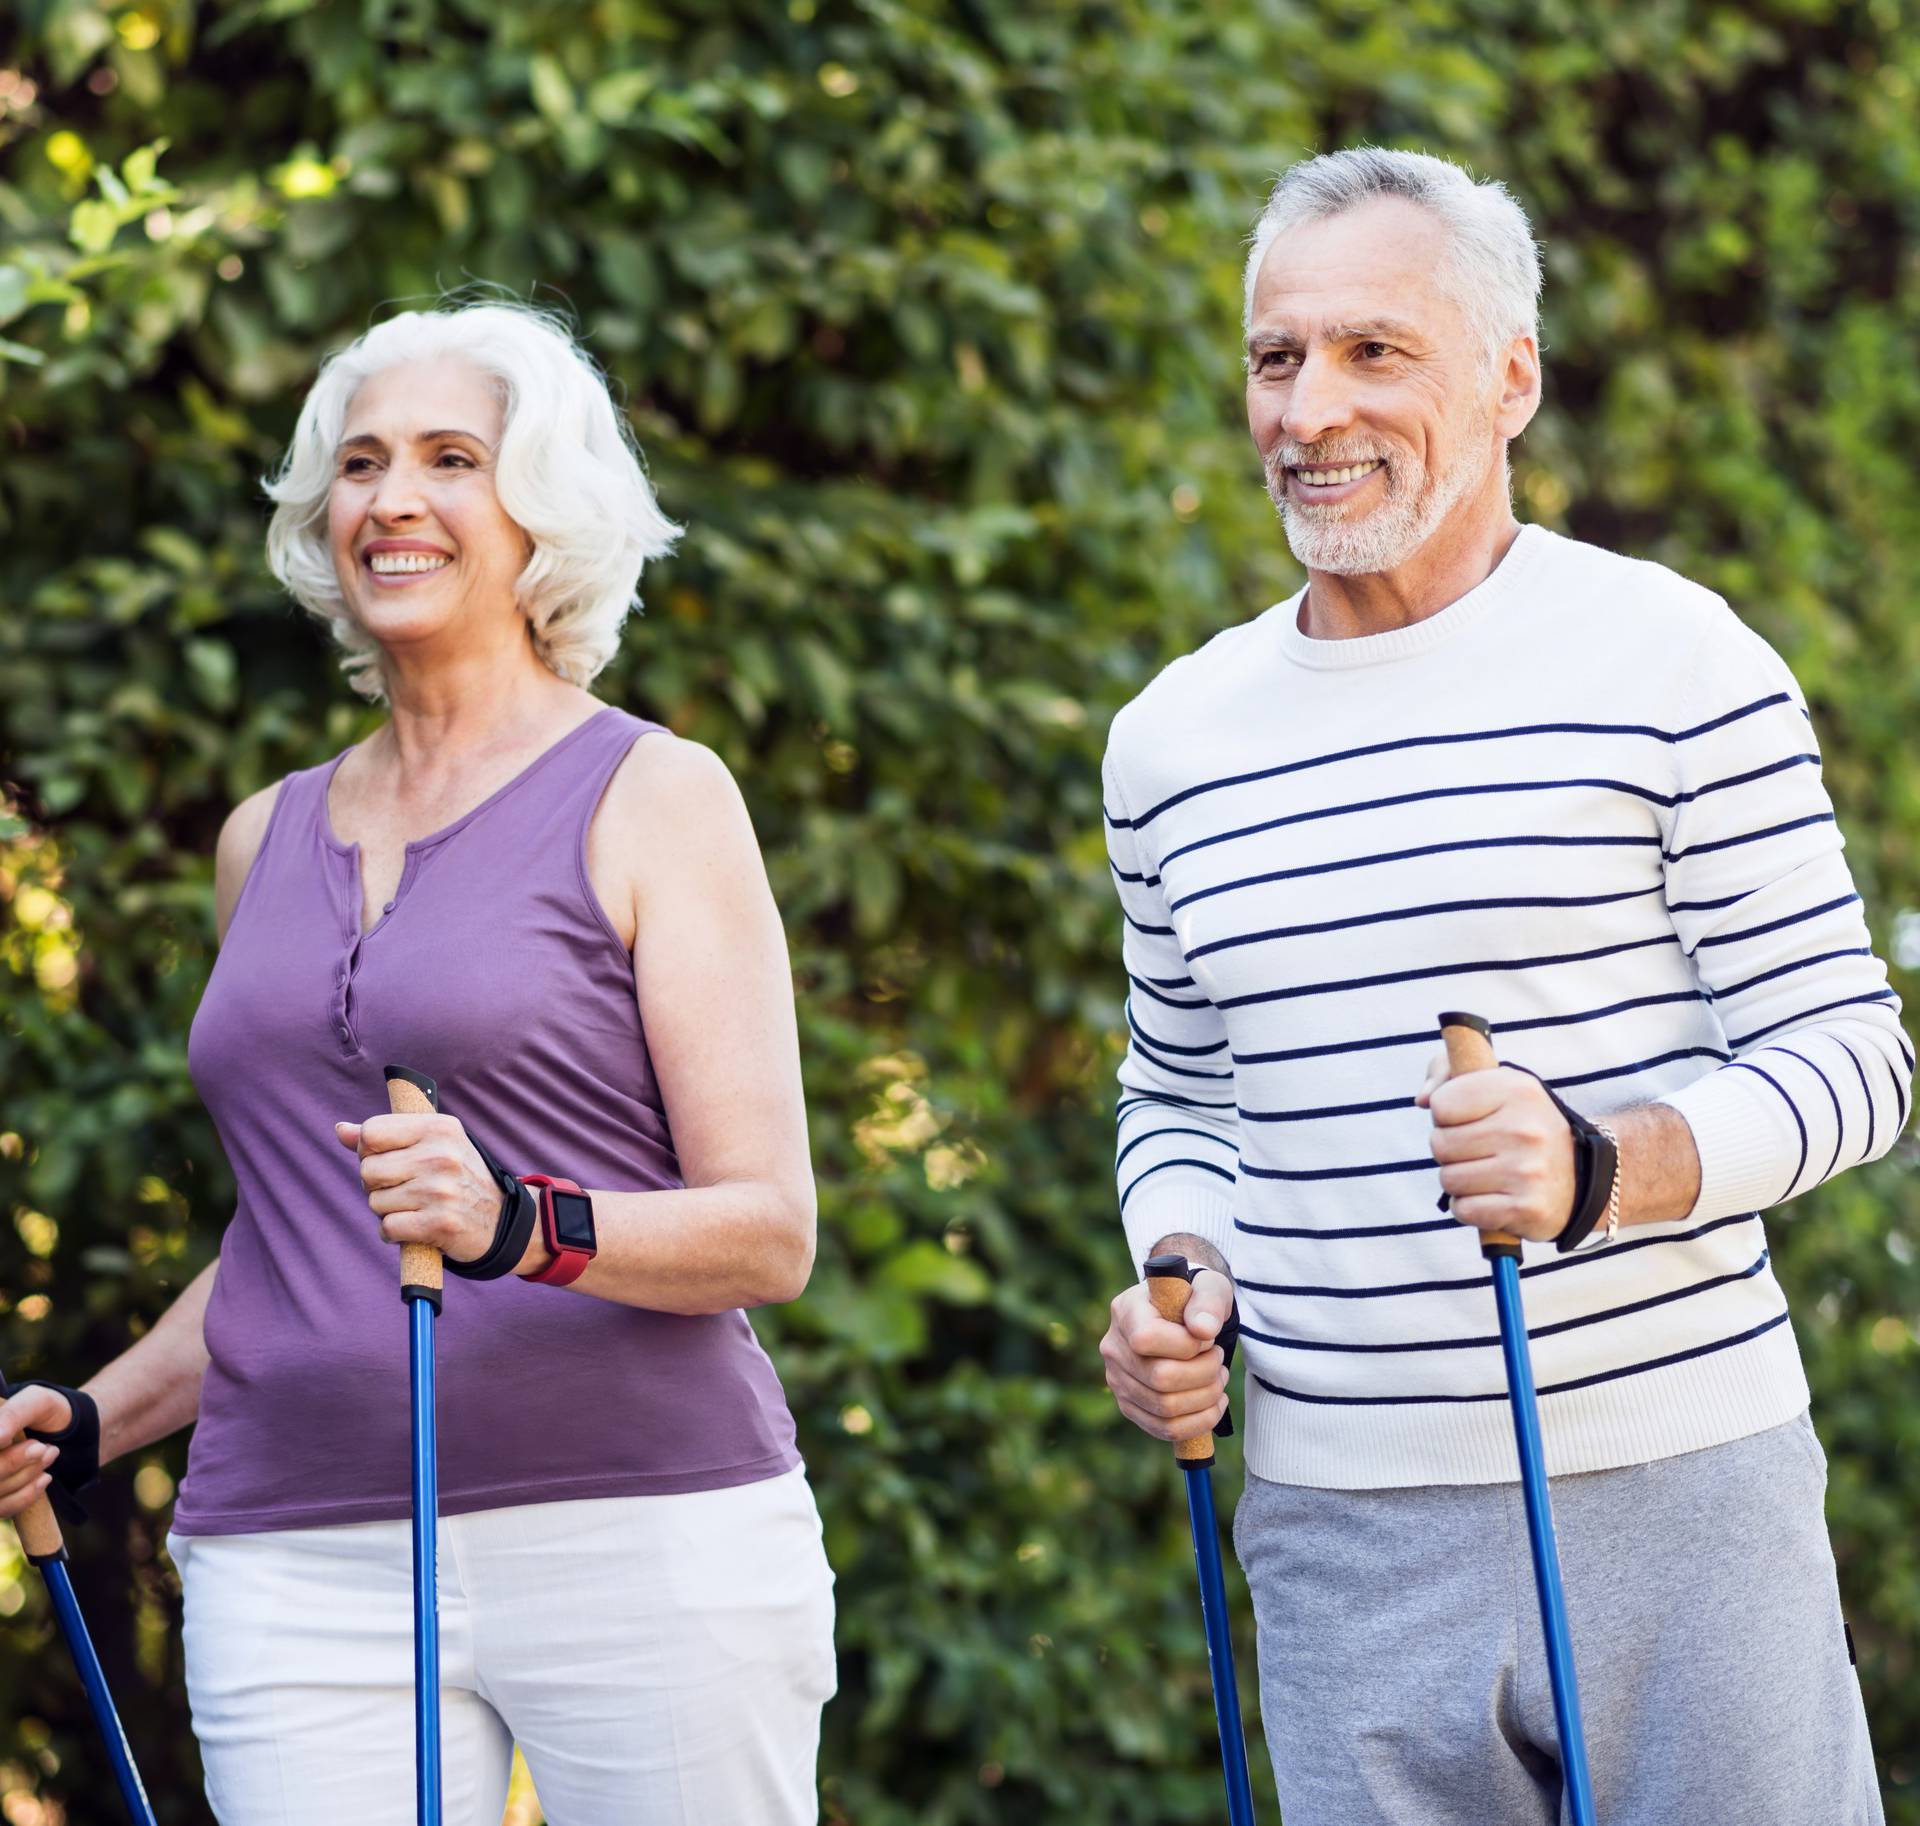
point(25, 1463)
point(1168, 1376)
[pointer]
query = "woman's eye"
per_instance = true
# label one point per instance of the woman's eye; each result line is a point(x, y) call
point(354, 466)
point(455, 457)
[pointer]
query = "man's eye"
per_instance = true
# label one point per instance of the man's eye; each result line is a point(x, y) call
point(1374, 350)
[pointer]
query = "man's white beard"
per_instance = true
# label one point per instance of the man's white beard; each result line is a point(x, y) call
point(1334, 540)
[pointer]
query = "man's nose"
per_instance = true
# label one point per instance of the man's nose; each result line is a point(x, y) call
point(1319, 402)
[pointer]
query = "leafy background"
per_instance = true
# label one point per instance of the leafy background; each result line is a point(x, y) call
point(925, 315)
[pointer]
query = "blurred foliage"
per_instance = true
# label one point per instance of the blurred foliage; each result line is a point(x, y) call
point(926, 315)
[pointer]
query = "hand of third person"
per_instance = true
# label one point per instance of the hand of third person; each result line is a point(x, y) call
point(26, 1464)
point(426, 1182)
point(1169, 1376)
point(1505, 1153)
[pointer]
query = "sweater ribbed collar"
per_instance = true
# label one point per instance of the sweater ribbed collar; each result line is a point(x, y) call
point(1499, 586)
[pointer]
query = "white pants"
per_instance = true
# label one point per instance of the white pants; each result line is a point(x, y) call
point(661, 1661)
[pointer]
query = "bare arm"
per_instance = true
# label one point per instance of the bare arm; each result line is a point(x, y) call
point(1659, 1164)
point(153, 1388)
point(715, 992)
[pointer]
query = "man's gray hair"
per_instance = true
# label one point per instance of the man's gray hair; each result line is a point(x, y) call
point(1493, 265)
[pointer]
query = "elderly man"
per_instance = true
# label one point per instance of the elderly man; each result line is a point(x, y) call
point(1477, 765)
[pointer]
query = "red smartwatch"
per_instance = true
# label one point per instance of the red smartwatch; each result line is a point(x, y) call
point(566, 1227)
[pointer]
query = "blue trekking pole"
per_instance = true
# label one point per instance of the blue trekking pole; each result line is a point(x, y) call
point(1470, 1049)
point(1169, 1289)
point(421, 1276)
point(43, 1544)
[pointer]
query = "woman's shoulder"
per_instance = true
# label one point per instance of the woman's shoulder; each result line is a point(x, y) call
point(672, 819)
point(241, 836)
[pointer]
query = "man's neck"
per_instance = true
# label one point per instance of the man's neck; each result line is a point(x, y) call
point(1461, 555)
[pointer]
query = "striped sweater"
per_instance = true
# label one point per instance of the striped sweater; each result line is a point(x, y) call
point(1585, 802)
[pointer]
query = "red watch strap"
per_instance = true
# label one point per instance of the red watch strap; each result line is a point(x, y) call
point(568, 1264)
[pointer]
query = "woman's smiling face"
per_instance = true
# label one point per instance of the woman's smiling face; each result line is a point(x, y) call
point(414, 521)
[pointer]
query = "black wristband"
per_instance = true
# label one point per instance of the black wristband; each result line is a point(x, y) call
point(1595, 1160)
point(78, 1466)
point(512, 1231)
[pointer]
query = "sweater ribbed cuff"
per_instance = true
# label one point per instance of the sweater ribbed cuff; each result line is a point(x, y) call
point(1746, 1140)
point(1174, 1208)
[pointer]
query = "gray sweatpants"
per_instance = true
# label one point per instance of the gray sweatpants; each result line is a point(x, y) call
point(1403, 1683)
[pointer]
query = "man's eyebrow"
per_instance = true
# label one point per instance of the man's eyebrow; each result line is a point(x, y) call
point(367, 441)
point(1370, 329)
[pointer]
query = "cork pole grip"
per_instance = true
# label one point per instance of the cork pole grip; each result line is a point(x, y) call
point(39, 1530)
point(1469, 1042)
point(1170, 1295)
point(420, 1264)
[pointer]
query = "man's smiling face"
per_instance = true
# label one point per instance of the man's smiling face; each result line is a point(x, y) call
point(1370, 398)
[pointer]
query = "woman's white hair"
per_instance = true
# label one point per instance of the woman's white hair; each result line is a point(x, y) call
point(567, 470)
point(1492, 269)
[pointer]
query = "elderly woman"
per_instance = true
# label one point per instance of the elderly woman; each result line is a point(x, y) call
point(559, 911)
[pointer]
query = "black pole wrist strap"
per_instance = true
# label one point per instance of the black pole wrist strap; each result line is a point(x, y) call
point(513, 1230)
point(1595, 1161)
point(78, 1466)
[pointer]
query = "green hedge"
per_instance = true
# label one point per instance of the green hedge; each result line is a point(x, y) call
point(926, 316)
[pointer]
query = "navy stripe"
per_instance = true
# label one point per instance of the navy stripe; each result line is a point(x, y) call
point(1839, 1121)
point(1165, 1001)
point(1436, 741)
point(1425, 849)
point(1423, 797)
point(1900, 1096)
point(1575, 1260)
point(1180, 1103)
point(1441, 906)
point(1432, 970)
point(1160, 1166)
point(1545, 1388)
point(1429, 1037)
point(1332, 1109)
point(1807, 1014)
point(1160, 1045)
point(1780, 970)
point(1120, 874)
point(1792, 919)
point(1141, 1051)
point(1356, 1230)
point(1866, 1095)
point(1533, 1332)
point(1150, 931)
point(1485, 789)
point(1640, 1065)
point(1728, 843)
point(1741, 1065)
point(1370, 1171)
point(1153, 1134)
point(1710, 906)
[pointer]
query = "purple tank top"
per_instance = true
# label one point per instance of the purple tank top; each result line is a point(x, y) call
point(494, 970)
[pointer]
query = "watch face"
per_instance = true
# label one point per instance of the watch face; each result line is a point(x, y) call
point(572, 1219)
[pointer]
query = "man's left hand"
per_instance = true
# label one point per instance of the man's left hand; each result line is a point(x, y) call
point(1505, 1153)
